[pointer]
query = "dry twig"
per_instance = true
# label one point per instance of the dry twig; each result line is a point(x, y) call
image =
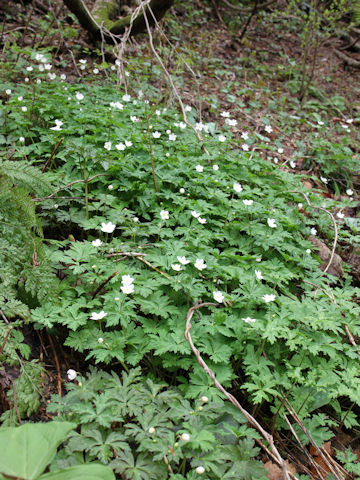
point(252, 421)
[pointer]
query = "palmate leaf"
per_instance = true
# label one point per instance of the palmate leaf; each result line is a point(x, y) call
point(81, 472)
point(141, 468)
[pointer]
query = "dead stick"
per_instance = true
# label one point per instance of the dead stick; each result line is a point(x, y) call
point(69, 185)
point(5, 339)
point(52, 154)
point(4, 318)
point(252, 421)
point(104, 283)
point(57, 366)
point(15, 401)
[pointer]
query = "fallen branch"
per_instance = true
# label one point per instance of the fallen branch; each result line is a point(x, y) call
point(350, 61)
point(69, 185)
point(252, 421)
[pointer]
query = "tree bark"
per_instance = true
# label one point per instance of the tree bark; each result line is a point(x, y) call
point(104, 14)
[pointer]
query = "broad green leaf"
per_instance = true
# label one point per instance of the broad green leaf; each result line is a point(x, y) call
point(26, 451)
point(81, 472)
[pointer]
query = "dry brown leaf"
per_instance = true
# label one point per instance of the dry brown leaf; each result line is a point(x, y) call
point(325, 254)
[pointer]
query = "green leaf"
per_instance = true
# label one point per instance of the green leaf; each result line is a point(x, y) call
point(81, 472)
point(26, 451)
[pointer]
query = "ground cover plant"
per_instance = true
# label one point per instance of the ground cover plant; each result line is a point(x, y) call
point(128, 220)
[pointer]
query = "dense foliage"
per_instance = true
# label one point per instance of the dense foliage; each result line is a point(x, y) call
point(116, 219)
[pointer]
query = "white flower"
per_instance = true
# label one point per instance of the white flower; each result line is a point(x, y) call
point(300, 205)
point(269, 298)
point(158, 112)
point(117, 105)
point(71, 374)
point(127, 280)
point(52, 76)
point(258, 275)
point(47, 66)
point(127, 289)
point(110, 187)
point(58, 124)
point(231, 122)
point(63, 76)
point(195, 214)
point(199, 168)
point(200, 264)
point(41, 68)
point(313, 231)
point(79, 96)
point(183, 260)
point(22, 139)
point(134, 118)
point(8, 91)
point(292, 164)
point(164, 214)
point(151, 430)
point(268, 128)
point(176, 267)
point(245, 135)
point(340, 215)
point(201, 220)
point(136, 219)
point(349, 192)
point(82, 61)
point(128, 143)
point(98, 316)
point(200, 470)
point(258, 260)
point(126, 98)
point(24, 109)
point(172, 137)
point(96, 71)
point(182, 190)
point(96, 243)
point(185, 437)
point(324, 180)
point(249, 320)
point(216, 167)
point(349, 120)
point(182, 125)
point(107, 146)
point(21, 98)
point(120, 146)
point(308, 250)
point(237, 187)
point(225, 114)
point(320, 122)
point(107, 227)
point(204, 399)
point(29, 69)
point(156, 134)
point(100, 340)
point(276, 160)
point(187, 108)
point(26, 79)
point(218, 296)
point(280, 150)
point(245, 147)
point(271, 222)
point(248, 202)
point(221, 138)
point(167, 154)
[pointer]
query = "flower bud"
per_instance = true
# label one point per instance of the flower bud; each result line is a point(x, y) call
point(185, 437)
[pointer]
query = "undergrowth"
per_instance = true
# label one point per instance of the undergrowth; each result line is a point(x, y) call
point(116, 220)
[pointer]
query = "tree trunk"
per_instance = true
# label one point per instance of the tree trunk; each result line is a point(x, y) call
point(104, 14)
